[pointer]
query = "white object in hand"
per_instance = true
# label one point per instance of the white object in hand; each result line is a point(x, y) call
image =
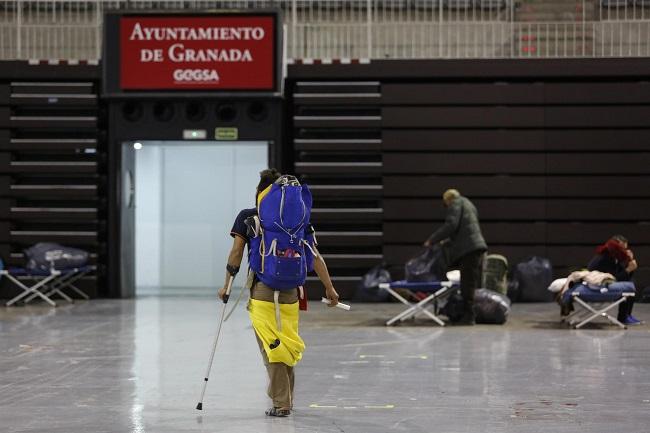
point(339, 305)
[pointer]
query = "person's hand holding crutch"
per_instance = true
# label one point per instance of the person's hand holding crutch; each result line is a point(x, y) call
point(224, 294)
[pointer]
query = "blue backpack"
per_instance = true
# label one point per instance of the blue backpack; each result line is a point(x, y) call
point(282, 246)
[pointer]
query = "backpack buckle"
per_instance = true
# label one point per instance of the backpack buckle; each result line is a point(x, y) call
point(287, 180)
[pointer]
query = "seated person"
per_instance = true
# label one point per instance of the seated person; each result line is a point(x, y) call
point(614, 257)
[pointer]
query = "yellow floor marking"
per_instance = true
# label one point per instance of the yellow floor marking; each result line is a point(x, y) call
point(387, 406)
point(371, 356)
point(417, 356)
point(320, 406)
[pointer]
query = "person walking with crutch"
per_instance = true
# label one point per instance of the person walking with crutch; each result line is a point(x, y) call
point(282, 249)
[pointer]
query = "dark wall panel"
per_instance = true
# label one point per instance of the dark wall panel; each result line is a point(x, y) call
point(606, 185)
point(499, 209)
point(462, 117)
point(5, 92)
point(52, 164)
point(474, 186)
point(465, 163)
point(596, 139)
point(589, 163)
point(425, 140)
point(597, 209)
point(396, 232)
point(636, 92)
point(591, 233)
point(590, 116)
point(517, 233)
point(461, 94)
point(519, 186)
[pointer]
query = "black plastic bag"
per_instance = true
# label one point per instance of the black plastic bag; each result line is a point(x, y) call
point(533, 277)
point(431, 265)
point(513, 290)
point(645, 295)
point(368, 290)
point(490, 307)
point(45, 256)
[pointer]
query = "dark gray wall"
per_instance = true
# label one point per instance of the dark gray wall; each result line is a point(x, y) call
point(52, 163)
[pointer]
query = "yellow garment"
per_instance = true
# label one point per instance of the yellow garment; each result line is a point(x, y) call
point(263, 194)
point(291, 346)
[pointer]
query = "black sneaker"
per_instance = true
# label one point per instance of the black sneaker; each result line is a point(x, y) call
point(276, 411)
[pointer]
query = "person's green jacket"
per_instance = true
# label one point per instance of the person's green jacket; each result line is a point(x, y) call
point(461, 228)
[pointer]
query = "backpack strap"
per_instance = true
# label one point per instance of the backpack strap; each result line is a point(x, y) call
point(262, 250)
point(263, 194)
point(313, 251)
point(278, 316)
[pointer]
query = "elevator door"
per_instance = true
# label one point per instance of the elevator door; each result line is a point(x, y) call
point(187, 195)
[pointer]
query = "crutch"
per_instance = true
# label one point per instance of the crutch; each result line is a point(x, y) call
point(232, 270)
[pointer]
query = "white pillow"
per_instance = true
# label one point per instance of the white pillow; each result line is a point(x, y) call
point(556, 286)
point(453, 276)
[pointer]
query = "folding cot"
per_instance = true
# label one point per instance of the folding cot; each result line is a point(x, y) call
point(45, 284)
point(437, 291)
point(591, 303)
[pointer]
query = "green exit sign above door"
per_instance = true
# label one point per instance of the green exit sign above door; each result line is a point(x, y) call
point(226, 134)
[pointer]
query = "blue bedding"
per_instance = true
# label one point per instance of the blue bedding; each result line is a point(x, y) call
point(21, 272)
point(612, 293)
point(431, 286)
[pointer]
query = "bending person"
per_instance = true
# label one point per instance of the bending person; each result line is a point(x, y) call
point(273, 311)
point(616, 258)
point(466, 245)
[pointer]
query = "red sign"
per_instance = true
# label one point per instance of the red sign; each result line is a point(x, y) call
point(197, 53)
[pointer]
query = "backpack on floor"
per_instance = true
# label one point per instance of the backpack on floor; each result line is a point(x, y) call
point(533, 277)
point(282, 248)
point(368, 289)
point(495, 273)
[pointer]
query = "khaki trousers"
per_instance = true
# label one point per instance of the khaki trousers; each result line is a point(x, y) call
point(281, 376)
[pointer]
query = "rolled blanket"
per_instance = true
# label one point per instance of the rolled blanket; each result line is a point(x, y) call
point(284, 346)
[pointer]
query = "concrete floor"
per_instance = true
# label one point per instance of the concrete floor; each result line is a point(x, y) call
point(137, 366)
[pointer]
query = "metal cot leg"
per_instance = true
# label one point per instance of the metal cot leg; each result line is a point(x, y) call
point(418, 307)
point(602, 312)
point(49, 288)
point(31, 290)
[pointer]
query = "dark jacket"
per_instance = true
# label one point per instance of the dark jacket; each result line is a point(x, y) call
point(607, 263)
point(462, 229)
